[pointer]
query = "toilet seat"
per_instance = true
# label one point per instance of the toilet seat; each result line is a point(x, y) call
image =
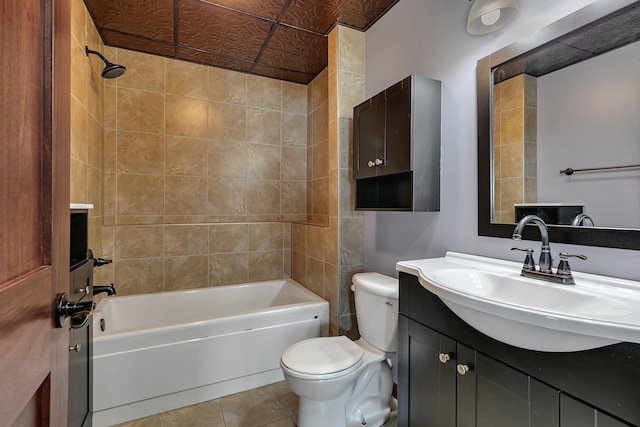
point(325, 357)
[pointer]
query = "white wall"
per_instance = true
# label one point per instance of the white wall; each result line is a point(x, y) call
point(429, 37)
point(588, 117)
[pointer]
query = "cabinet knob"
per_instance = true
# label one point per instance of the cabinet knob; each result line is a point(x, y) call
point(370, 163)
point(75, 348)
point(462, 369)
point(379, 162)
point(444, 357)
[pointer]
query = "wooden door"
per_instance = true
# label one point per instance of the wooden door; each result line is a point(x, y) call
point(34, 209)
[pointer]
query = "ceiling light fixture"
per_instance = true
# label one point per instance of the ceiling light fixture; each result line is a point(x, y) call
point(487, 16)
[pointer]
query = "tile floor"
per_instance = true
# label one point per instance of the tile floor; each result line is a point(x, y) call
point(270, 406)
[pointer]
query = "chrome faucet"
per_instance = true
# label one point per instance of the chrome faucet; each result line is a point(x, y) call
point(545, 251)
point(544, 271)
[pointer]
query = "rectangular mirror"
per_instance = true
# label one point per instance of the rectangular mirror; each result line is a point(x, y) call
point(558, 133)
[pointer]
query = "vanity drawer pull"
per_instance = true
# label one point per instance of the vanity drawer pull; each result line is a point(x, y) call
point(444, 357)
point(463, 369)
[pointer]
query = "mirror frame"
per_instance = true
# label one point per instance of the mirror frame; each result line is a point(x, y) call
point(549, 49)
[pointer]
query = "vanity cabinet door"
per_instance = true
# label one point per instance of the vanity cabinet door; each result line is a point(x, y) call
point(577, 414)
point(427, 377)
point(492, 394)
point(368, 144)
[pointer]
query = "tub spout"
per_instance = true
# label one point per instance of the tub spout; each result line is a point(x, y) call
point(110, 290)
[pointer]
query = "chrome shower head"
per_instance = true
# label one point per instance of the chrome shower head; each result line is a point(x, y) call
point(111, 70)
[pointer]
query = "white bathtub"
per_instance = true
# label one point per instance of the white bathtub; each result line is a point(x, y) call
point(158, 352)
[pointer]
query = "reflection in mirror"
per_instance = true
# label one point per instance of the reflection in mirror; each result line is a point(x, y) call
point(582, 116)
point(566, 98)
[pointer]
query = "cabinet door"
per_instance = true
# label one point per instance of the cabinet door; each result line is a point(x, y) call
point(492, 394)
point(576, 414)
point(368, 134)
point(426, 392)
point(397, 147)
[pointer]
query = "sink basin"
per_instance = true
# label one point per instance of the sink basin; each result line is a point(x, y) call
point(491, 296)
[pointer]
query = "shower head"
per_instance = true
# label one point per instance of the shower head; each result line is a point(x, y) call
point(111, 70)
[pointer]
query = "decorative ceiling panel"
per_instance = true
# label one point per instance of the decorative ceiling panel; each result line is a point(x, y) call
point(291, 49)
point(283, 39)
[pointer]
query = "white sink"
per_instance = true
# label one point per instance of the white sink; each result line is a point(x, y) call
point(490, 295)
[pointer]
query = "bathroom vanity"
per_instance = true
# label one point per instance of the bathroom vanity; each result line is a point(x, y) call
point(450, 374)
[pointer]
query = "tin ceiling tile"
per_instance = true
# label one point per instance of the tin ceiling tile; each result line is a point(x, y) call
point(206, 58)
point(269, 9)
point(132, 42)
point(152, 19)
point(203, 26)
point(296, 50)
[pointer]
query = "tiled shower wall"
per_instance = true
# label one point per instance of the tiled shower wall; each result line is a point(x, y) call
point(325, 258)
point(515, 145)
point(87, 131)
point(203, 170)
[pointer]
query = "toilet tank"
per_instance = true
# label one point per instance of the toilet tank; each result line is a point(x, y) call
point(376, 299)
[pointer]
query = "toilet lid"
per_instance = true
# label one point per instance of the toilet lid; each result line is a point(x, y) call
point(321, 356)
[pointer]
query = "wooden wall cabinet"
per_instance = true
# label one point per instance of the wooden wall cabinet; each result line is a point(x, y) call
point(451, 375)
point(396, 147)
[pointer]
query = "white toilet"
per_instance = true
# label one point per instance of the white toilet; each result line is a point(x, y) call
point(342, 383)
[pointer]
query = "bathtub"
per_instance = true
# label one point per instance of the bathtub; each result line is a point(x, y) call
point(157, 352)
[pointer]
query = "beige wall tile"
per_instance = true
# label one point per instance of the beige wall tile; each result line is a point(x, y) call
point(315, 242)
point(79, 131)
point(321, 123)
point(330, 286)
point(185, 195)
point(263, 92)
point(226, 196)
point(140, 111)
point(227, 159)
point(186, 272)
point(140, 153)
point(227, 269)
point(266, 236)
point(294, 98)
point(94, 191)
point(132, 242)
point(294, 198)
point(227, 86)
point(299, 237)
point(351, 241)
point(315, 275)
point(139, 276)
point(320, 167)
point(227, 122)
point(351, 93)
point(320, 89)
point(351, 50)
point(181, 240)
point(263, 197)
point(263, 126)
point(331, 242)
point(110, 111)
point(263, 161)
point(321, 196)
point(79, 185)
point(511, 126)
point(298, 267)
point(512, 93)
point(80, 67)
point(294, 130)
point(140, 194)
point(511, 160)
point(186, 155)
point(294, 164)
point(144, 72)
point(79, 21)
point(186, 79)
point(109, 194)
point(95, 142)
point(186, 116)
point(226, 238)
point(266, 265)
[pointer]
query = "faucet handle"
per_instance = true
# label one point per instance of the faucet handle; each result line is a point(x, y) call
point(563, 266)
point(528, 264)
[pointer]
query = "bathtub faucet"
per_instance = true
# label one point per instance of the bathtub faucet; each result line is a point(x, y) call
point(110, 290)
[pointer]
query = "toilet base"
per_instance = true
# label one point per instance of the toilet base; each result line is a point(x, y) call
point(365, 403)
